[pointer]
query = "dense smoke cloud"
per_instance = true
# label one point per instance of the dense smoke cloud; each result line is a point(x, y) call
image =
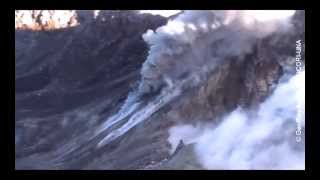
point(192, 45)
point(196, 41)
point(266, 138)
point(182, 54)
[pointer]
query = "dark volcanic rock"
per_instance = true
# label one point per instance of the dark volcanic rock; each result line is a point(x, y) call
point(68, 80)
point(78, 64)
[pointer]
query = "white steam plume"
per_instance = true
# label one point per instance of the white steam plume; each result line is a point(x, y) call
point(195, 39)
point(183, 52)
point(264, 139)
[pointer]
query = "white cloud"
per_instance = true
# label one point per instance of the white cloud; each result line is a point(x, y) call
point(264, 139)
point(195, 38)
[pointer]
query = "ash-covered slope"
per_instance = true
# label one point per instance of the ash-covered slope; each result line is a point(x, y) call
point(81, 102)
point(70, 79)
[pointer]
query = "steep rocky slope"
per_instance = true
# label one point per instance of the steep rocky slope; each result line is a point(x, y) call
point(69, 81)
